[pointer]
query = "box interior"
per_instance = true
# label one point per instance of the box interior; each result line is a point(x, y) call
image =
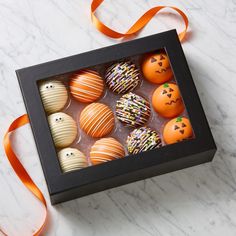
point(120, 132)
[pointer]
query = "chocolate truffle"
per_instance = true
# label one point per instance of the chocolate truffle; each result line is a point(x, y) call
point(167, 101)
point(143, 139)
point(54, 95)
point(122, 77)
point(177, 129)
point(97, 120)
point(106, 149)
point(86, 86)
point(132, 110)
point(71, 159)
point(156, 68)
point(63, 129)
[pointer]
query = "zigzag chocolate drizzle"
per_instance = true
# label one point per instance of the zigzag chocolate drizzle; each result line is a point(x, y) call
point(172, 101)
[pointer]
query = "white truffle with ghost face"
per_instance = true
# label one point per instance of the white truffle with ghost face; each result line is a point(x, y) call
point(63, 128)
point(54, 95)
point(72, 159)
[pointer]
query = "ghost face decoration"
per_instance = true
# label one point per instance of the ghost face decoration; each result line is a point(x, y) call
point(63, 129)
point(72, 159)
point(54, 95)
point(156, 68)
point(167, 101)
point(177, 129)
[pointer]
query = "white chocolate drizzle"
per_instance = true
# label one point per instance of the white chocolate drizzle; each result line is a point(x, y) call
point(71, 159)
point(54, 95)
point(86, 86)
point(106, 149)
point(97, 120)
point(63, 129)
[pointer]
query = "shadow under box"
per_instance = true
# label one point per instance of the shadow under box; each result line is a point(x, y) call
point(115, 115)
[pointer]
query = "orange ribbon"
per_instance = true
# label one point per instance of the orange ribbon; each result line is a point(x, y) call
point(22, 120)
point(19, 168)
point(138, 25)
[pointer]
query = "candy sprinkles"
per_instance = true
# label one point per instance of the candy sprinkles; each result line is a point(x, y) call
point(122, 77)
point(143, 139)
point(132, 110)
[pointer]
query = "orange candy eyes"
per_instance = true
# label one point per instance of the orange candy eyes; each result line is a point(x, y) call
point(167, 101)
point(156, 68)
point(176, 130)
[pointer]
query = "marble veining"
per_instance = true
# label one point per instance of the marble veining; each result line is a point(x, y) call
point(197, 201)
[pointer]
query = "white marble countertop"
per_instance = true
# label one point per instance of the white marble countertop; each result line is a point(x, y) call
point(197, 201)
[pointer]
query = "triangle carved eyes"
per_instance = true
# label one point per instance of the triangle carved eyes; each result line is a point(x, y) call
point(176, 127)
point(171, 90)
point(183, 125)
point(162, 57)
point(164, 92)
point(153, 59)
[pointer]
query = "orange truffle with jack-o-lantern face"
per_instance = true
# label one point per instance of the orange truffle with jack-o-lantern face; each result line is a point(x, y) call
point(167, 101)
point(177, 129)
point(156, 68)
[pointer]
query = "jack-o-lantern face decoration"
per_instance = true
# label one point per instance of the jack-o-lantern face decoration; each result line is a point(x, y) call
point(156, 68)
point(167, 100)
point(177, 129)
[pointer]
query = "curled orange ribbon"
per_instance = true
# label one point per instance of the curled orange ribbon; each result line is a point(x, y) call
point(138, 25)
point(22, 120)
point(19, 168)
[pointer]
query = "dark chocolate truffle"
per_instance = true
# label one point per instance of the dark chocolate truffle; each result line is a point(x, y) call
point(122, 77)
point(143, 139)
point(132, 110)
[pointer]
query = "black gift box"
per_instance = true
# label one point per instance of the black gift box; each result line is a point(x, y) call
point(63, 187)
